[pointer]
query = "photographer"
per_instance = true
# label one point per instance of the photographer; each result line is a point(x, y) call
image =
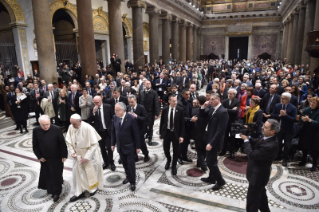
point(260, 152)
point(255, 115)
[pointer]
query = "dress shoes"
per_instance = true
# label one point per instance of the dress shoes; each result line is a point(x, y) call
point(120, 161)
point(222, 153)
point(75, 198)
point(113, 167)
point(92, 194)
point(17, 128)
point(284, 163)
point(105, 166)
point(146, 158)
point(313, 168)
point(125, 181)
point(302, 163)
point(188, 160)
point(197, 164)
point(232, 155)
point(150, 142)
point(207, 180)
point(180, 161)
point(218, 187)
point(167, 165)
point(56, 198)
point(174, 170)
point(26, 131)
point(133, 187)
point(136, 159)
point(203, 168)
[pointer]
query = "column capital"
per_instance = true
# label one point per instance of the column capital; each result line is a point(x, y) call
point(182, 22)
point(136, 3)
point(175, 18)
point(166, 16)
point(153, 11)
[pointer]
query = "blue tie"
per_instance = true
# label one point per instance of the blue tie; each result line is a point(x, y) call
point(120, 123)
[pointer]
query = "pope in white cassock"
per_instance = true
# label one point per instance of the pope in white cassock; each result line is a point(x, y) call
point(83, 145)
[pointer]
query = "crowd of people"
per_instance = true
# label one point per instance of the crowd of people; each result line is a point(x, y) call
point(279, 100)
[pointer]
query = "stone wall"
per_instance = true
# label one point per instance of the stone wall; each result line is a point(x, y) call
point(265, 43)
point(213, 44)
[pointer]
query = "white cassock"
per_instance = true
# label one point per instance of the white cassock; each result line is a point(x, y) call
point(84, 142)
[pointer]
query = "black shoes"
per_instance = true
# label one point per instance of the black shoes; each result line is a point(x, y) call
point(17, 128)
point(167, 165)
point(146, 158)
point(302, 163)
point(204, 168)
point(232, 155)
point(222, 153)
point(133, 187)
point(105, 166)
point(125, 181)
point(113, 167)
point(26, 130)
point(187, 160)
point(174, 170)
point(218, 187)
point(120, 161)
point(92, 194)
point(180, 161)
point(21, 131)
point(313, 168)
point(150, 142)
point(207, 180)
point(56, 198)
point(75, 198)
point(284, 162)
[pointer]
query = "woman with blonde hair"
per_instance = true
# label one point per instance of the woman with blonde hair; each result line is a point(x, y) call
point(255, 115)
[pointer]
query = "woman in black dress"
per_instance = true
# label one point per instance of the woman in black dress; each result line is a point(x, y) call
point(20, 109)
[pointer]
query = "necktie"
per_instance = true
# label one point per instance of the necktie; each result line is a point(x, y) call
point(261, 140)
point(72, 98)
point(52, 94)
point(284, 107)
point(171, 120)
point(116, 101)
point(268, 106)
point(120, 123)
point(99, 118)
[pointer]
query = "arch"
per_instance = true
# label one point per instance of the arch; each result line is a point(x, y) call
point(100, 20)
point(146, 30)
point(69, 7)
point(14, 10)
point(128, 27)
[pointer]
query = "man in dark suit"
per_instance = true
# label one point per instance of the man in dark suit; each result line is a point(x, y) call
point(172, 130)
point(293, 99)
point(125, 134)
point(260, 152)
point(185, 80)
point(179, 81)
point(174, 91)
point(36, 97)
point(258, 91)
point(229, 84)
point(149, 99)
point(101, 114)
point(122, 88)
point(90, 90)
point(73, 100)
point(116, 98)
point(193, 93)
point(216, 127)
point(286, 114)
point(269, 101)
point(139, 112)
point(161, 85)
point(53, 96)
point(232, 105)
point(279, 89)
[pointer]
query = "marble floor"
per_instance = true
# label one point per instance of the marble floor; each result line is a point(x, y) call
point(290, 188)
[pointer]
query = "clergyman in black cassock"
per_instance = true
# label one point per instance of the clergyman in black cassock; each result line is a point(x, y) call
point(50, 148)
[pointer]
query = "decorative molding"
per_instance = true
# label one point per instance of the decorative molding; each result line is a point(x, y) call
point(127, 26)
point(14, 10)
point(136, 3)
point(246, 20)
point(100, 20)
point(153, 11)
point(60, 4)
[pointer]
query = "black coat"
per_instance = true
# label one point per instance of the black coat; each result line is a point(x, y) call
point(20, 113)
point(260, 157)
point(33, 98)
point(259, 93)
point(233, 114)
point(108, 114)
point(179, 128)
point(150, 102)
point(76, 105)
point(265, 99)
point(111, 101)
point(141, 116)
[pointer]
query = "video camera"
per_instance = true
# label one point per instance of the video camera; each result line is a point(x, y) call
point(238, 128)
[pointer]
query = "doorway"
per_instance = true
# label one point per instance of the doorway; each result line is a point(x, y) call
point(238, 48)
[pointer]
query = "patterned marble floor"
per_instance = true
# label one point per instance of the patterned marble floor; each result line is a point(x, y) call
point(290, 189)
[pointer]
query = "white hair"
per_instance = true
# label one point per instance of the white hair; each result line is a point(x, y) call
point(216, 79)
point(233, 90)
point(44, 118)
point(238, 80)
point(257, 84)
point(244, 84)
point(286, 94)
point(74, 85)
point(76, 116)
point(49, 85)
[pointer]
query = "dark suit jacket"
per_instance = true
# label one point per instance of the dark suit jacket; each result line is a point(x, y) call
point(233, 114)
point(111, 101)
point(264, 102)
point(91, 92)
point(186, 83)
point(261, 93)
point(260, 157)
point(108, 114)
point(76, 101)
point(150, 102)
point(141, 116)
point(225, 94)
point(217, 124)
point(163, 85)
point(280, 90)
point(33, 98)
point(54, 100)
point(123, 93)
point(126, 137)
point(294, 101)
point(287, 121)
point(191, 97)
point(179, 129)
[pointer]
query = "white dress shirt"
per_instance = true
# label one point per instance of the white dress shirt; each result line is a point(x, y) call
point(169, 117)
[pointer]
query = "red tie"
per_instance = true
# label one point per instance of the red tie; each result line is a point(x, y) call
point(261, 140)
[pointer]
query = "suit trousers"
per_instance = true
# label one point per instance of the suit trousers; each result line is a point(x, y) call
point(212, 163)
point(143, 144)
point(257, 199)
point(183, 147)
point(37, 109)
point(287, 137)
point(105, 145)
point(128, 161)
point(200, 146)
point(150, 124)
point(229, 139)
point(170, 137)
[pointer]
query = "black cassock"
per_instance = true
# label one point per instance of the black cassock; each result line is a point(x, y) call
point(51, 146)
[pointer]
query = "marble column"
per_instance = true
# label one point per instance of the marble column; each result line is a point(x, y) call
point(116, 30)
point(138, 50)
point(314, 62)
point(289, 43)
point(294, 38)
point(189, 42)
point(153, 23)
point(166, 19)
point(250, 47)
point(195, 44)
point(86, 37)
point(309, 23)
point(182, 41)
point(226, 47)
point(284, 44)
point(175, 39)
point(44, 39)
point(300, 33)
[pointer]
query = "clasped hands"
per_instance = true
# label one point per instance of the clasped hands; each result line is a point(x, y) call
point(305, 118)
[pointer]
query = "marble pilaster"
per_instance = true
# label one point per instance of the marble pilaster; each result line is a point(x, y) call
point(284, 44)
point(182, 41)
point(138, 51)
point(250, 47)
point(300, 34)
point(44, 39)
point(86, 37)
point(309, 23)
point(314, 62)
point(175, 39)
point(153, 23)
point(294, 38)
point(166, 19)
point(189, 42)
point(195, 43)
point(289, 43)
point(116, 30)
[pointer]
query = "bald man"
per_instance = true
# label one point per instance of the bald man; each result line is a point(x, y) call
point(101, 114)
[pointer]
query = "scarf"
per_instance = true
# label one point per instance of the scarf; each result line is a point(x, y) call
point(250, 114)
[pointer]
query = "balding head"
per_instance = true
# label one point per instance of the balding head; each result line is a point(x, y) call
point(44, 121)
point(97, 100)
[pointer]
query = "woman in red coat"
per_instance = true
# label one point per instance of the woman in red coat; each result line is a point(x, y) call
point(245, 100)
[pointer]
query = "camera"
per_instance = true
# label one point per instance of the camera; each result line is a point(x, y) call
point(238, 128)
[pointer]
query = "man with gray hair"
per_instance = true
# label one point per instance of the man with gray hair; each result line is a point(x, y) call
point(260, 152)
point(73, 100)
point(125, 135)
point(259, 91)
point(286, 114)
point(52, 97)
point(229, 83)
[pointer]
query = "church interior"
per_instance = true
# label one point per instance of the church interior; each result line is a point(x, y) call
point(40, 34)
